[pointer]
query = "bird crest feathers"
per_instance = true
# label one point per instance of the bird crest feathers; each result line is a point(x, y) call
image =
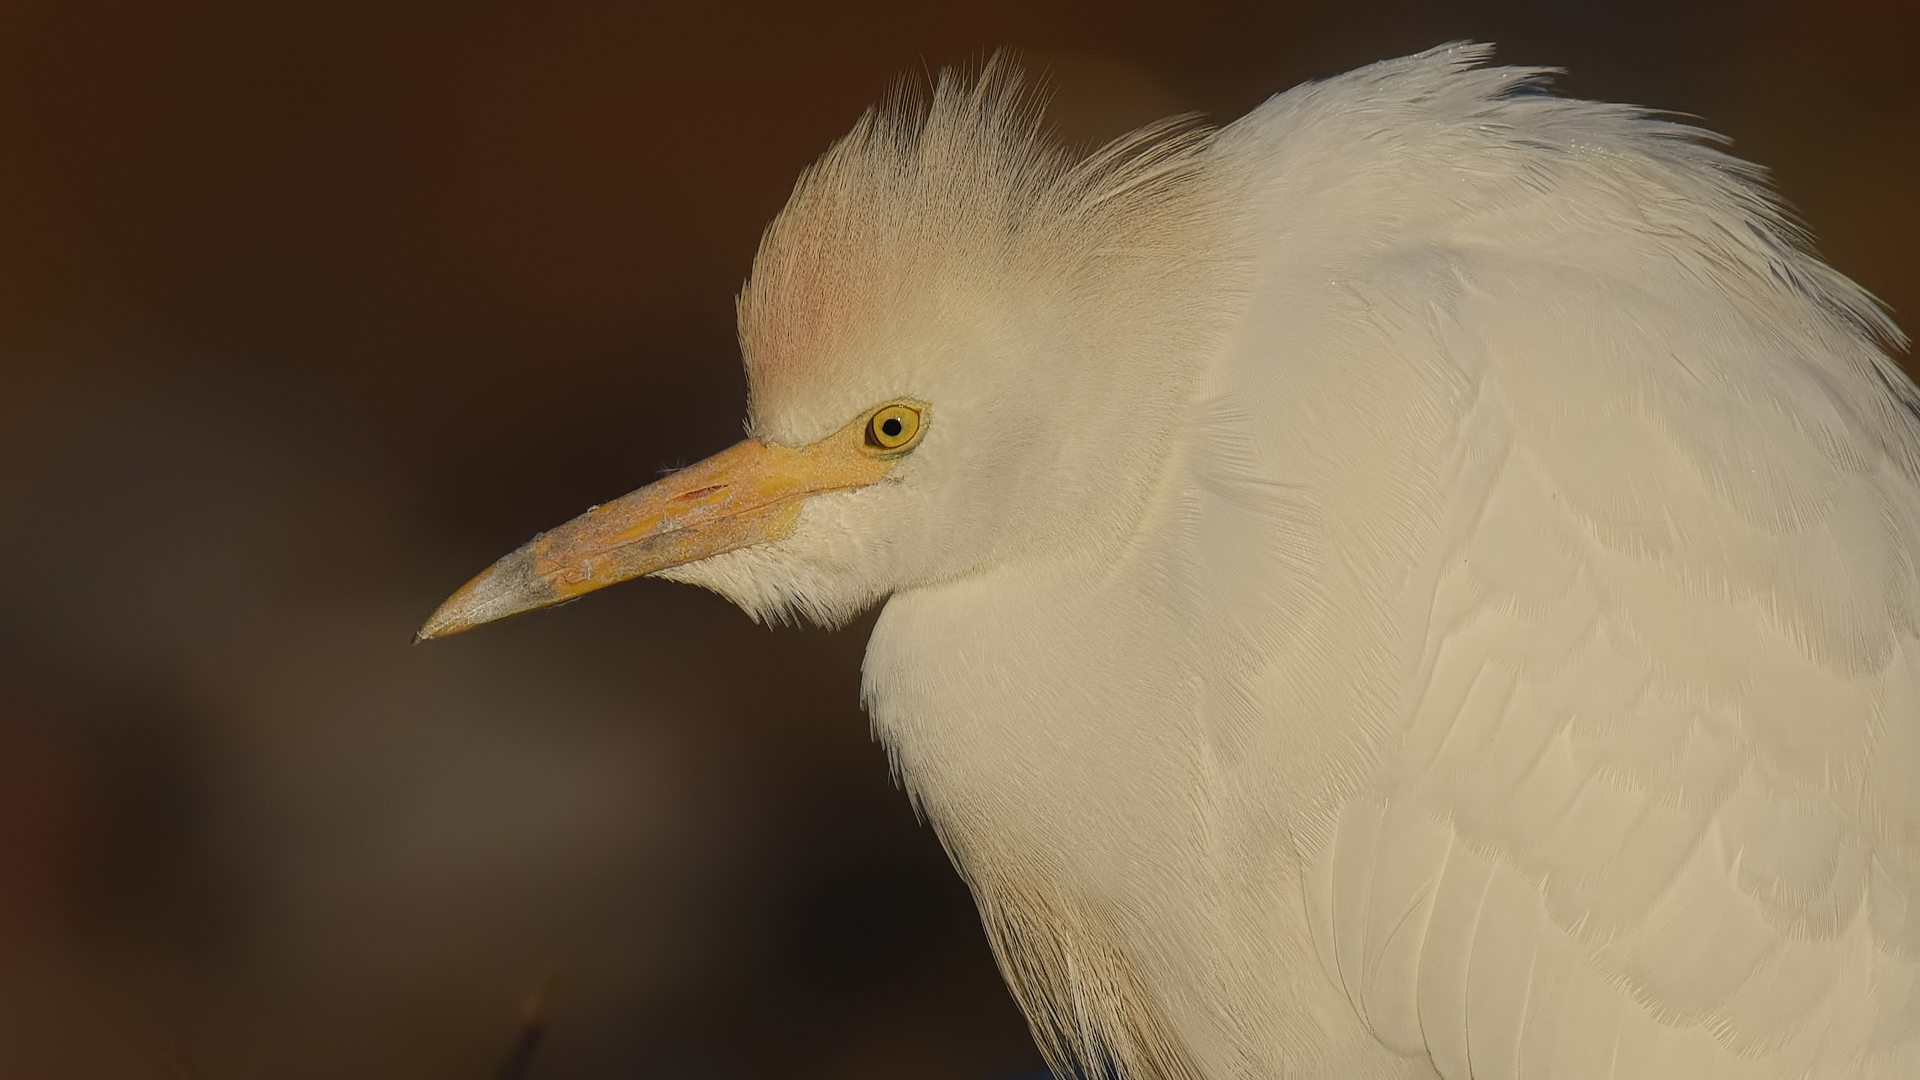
point(960, 194)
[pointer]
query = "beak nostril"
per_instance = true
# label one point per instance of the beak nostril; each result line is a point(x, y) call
point(697, 493)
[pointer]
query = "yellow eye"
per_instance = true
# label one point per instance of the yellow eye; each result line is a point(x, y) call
point(893, 429)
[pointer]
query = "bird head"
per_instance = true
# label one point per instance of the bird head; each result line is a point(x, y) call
point(963, 348)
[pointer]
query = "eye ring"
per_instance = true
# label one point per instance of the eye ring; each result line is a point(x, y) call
point(895, 428)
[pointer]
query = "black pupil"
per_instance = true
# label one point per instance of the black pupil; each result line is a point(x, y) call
point(890, 427)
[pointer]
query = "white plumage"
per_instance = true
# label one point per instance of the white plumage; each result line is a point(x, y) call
point(1419, 581)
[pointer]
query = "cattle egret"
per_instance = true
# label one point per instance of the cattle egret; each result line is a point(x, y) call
point(1419, 581)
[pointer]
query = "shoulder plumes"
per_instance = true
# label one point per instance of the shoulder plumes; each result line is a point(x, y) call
point(1442, 115)
point(928, 202)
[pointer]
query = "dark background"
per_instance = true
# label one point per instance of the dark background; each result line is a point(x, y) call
point(308, 312)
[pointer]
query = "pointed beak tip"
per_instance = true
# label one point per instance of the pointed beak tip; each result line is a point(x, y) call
point(508, 587)
point(442, 623)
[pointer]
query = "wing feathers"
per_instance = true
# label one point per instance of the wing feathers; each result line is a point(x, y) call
point(1665, 670)
point(1608, 485)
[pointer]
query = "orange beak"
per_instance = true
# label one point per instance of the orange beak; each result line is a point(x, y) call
point(747, 494)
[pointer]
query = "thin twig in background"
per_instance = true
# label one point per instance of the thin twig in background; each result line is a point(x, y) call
point(533, 1025)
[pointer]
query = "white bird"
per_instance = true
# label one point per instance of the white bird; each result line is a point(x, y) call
point(1419, 581)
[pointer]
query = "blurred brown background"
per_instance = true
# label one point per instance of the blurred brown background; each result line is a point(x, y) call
point(307, 312)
